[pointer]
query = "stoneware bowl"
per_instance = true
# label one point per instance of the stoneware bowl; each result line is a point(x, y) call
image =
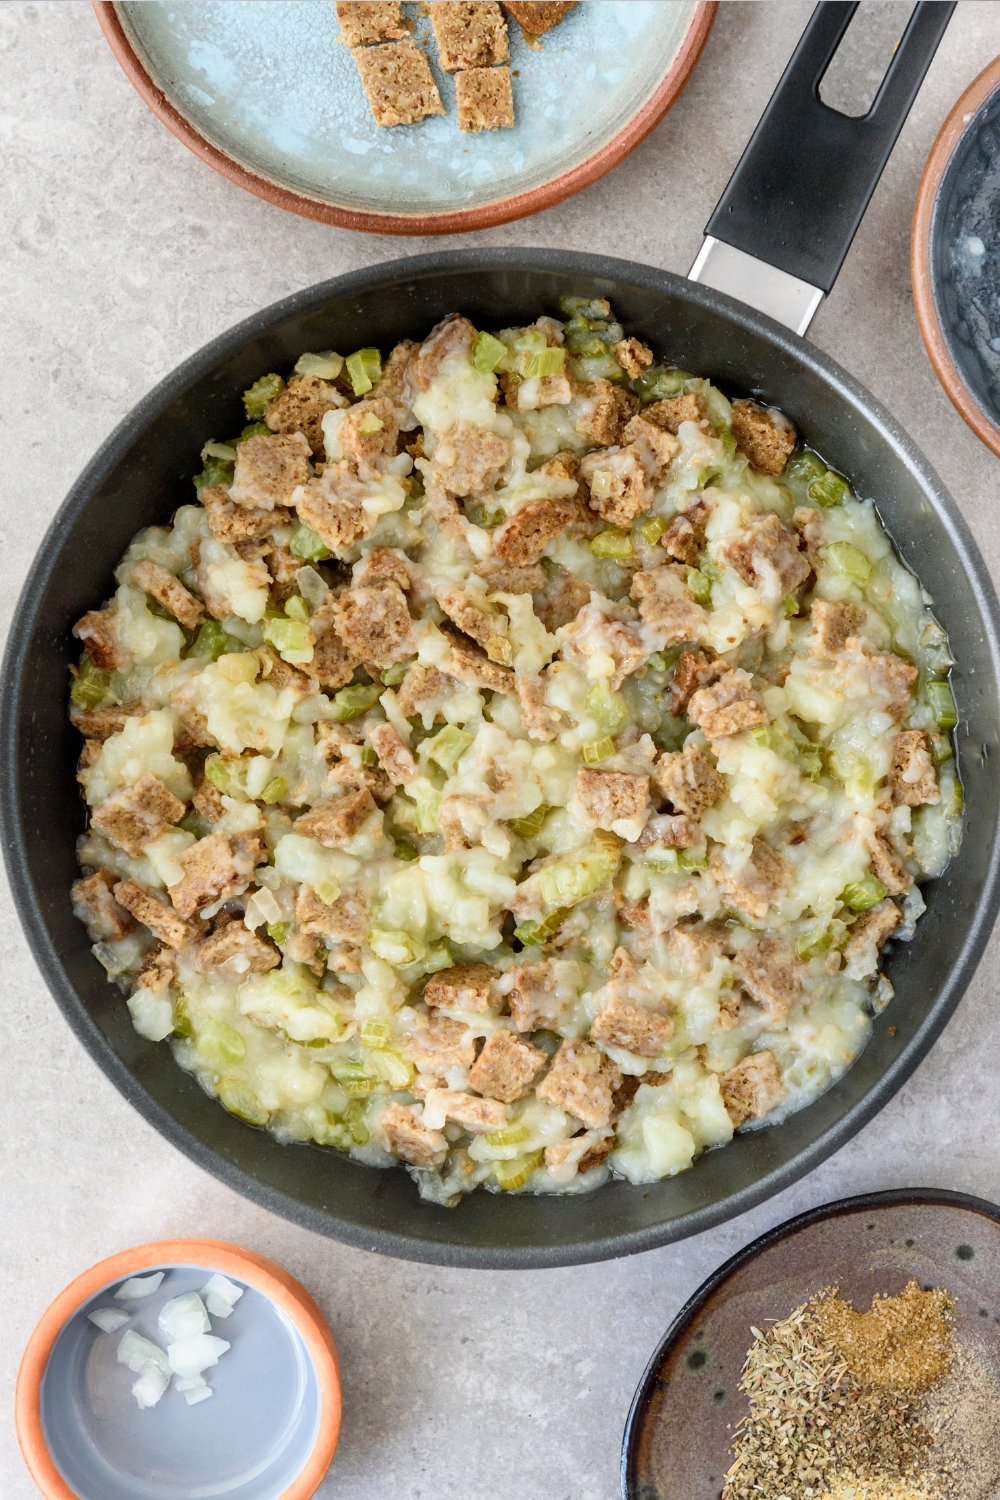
point(268, 1433)
point(955, 256)
point(142, 474)
point(268, 96)
point(687, 1406)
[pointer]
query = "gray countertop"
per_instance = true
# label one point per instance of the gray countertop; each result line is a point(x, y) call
point(123, 254)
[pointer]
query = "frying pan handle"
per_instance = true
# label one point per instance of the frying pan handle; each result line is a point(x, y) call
point(801, 188)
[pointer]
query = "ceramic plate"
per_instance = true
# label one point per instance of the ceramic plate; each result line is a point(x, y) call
point(267, 95)
point(682, 1419)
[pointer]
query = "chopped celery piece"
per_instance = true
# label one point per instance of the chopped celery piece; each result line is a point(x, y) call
point(193, 822)
point(805, 465)
point(861, 894)
point(90, 687)
point(278, 932)
point(515, 1173)
point(651, 530)
point(814, 943)
point(326, 365)
point(544, 363)
point(448, 747)
point(328, 891)
point(728, 441)
point(403, 849)
point(218, 450)
point(597, 750)
point(334, 1133)
point(487, 352)
point(810, 759)
point(608, 709)
point(692, 859)
point(589, 346)
point(260, 395)
point(182, 1021)
point(375, 1033)
point(848, 561)
point(789, 604)
point(368, 756)
point(530, 933)
point(941, 749)
point(699, 586)
point(657, 383)
point(828, 490)
point(391, 1068)
point(370, 424)
point(393, 676)
point(659, 858)
point(395, 948)
point(218, 1044)
point(214, 472)
point(425, 818)
point(955, 806)
point(357, 1088)
point(306, 544)
point(355, 1117)
point(296, 608)
point(514, 1135)
point(255, 429)
point(364, 369)
point(612, 543)
point(218, 773)
point(274, 790)
point(584, 307)
point(439, 956)
point(528, 826)
point(352, 702)
point(241, 1101)
point(486, 517)
point(941, 702)
point(288, 635)
point(579, 875)
point(348, 1069)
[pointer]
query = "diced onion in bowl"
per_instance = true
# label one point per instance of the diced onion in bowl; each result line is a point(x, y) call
point(221, 1295)
point(108, 1319)
point(200, 1393)
point(150, 1386)
point(141, 1354)
point(183, 1318)
point(139, 1286)
point(188, 1357)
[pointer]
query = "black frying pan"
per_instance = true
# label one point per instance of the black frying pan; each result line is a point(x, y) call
point(142, 473)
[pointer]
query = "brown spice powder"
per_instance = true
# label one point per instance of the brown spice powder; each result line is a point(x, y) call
point(903, 1344)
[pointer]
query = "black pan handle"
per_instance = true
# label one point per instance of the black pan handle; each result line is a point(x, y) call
point(803, 183)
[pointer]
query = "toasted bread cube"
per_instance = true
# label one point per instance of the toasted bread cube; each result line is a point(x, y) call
point(467, 663)
point(912, 776)
point(466, 987)
point(694, 670)
point(653, 446)
point(887, 865)
point(694, 948)
point(534, 998)
point(580, 1154)
point(619, 489)
point(685, 536)
point(666, 606)
point(527, 531)
point(755, 886)
point(396, 369)
point(485, 624)
point(869, 932)
point(170, 592)
point(332, 665)
point(436, 1044)
point(753, 1088)
point(398, 83)
point(602, 799)
point(537, 16)
point(771, 974)
point(445, 345)
point(236, 949)
point(503, 577)
point(633, 355)
point(610, 407)
point(335, 823)
point(688, 781)
point(542, 722)
point(764, 435)
point(409, 1138)
point(832, 626)
point(592, 634)
point(332, 506)
point(162, 920)
point(97, 630)
point(207, 800)
point(342, 921)
point(383, 565)
point(564, 600)
point(505, 1068)
point(422, 691)
point(214, 869)
point(727, 707)
point(469, 35)
point(484, 99)
point(368, 433)
point(634, 1028)
point(364, 22)
point(671, 830)
point(374, 624)
point(306, 400)
point(468, 459)
point(582, 1081)
point(395, 759)
point(891, 680)
point(269, 469)
point(767, 540)
point(673, 410)
point(474, 1115)
point(102, 723)
point(138, 813)
point(95, 906)
point(235, 523)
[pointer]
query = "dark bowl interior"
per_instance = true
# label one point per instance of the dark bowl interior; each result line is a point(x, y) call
point(680, 1427)
point(143, 472)
point(965, 285)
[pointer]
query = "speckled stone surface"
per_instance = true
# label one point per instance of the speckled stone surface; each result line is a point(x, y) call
point(122, 254)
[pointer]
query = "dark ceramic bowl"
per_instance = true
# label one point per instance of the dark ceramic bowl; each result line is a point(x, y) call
point(140, 476)
point(681, 1423)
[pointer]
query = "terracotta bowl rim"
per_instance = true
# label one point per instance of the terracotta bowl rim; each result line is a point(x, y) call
point(840, 1208)
point(264, 1275)
point(458, 221)
point(942, 152)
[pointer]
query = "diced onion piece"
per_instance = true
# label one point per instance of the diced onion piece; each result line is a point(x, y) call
point(152, 1015)
point(139, 1286)
point(140, 1354)
point(326, 365)
point(222, 1290)
point(183, 1317)
point(192, 1383)
point(190, 1356)
point(150, 1386)
point(108, 1319)
point(202, 1393)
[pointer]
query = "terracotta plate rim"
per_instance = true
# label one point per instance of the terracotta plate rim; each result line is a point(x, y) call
point(841, 1208)
point(264, 1275)
point(942, 152)
point(458, 221)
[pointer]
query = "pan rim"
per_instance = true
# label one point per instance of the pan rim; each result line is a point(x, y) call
point(392, 1242)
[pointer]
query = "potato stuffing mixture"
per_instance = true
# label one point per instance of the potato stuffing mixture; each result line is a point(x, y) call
point(514, 764)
